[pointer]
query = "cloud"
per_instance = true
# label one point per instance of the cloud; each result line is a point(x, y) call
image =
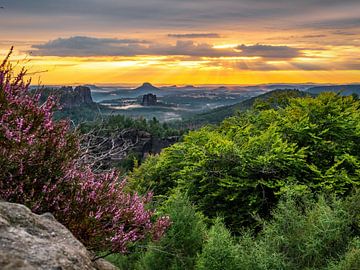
point(90, 46)
point(82, 46)
point(195, 35)
point(314, 36)
point(190, 48)
point(312, 66)
point(269, 51)
point(344, 33)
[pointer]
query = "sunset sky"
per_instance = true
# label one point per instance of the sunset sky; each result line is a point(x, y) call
point(184, 41)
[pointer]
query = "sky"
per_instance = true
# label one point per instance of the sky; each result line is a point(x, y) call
point(183, 41)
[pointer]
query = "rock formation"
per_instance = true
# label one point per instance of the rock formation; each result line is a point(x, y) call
point(68, 96)
point(149, 100)
point(29, 241)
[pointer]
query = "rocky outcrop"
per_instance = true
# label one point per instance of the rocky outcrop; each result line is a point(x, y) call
point(149, 100)
point(68, 96)
point(29, 241)
point(154, 145)
point(146, 144)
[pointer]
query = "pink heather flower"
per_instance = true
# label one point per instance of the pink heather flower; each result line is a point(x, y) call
point(39, 168)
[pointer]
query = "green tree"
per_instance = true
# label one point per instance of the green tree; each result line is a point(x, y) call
point(240, 168)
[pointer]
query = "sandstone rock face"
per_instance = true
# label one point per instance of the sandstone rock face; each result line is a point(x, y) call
point(29, 241)
point(149, 100)
point(68, 96)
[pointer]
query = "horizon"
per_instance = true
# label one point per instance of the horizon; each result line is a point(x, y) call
point(195, 42)
point(136, 85)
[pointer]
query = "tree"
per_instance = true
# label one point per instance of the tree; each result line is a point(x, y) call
point(240, 168)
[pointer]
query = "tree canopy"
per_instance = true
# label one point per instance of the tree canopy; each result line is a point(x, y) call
point(239, 168)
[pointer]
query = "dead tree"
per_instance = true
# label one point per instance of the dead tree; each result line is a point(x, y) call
point(102, 148)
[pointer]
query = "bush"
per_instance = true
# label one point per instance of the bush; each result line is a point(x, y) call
point(351, 259)
point(40, 168)
point(219, 251)
point(303, 234)
point(183, 241)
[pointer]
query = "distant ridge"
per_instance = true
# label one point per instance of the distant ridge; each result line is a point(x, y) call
point(344, 90)
point(217, 115)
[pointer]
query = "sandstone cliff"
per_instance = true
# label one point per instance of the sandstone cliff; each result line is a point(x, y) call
point(149, 100)
point(68, 96)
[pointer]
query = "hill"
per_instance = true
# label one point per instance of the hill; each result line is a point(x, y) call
point(146, 87)
point(217, 115)
point(344, 90)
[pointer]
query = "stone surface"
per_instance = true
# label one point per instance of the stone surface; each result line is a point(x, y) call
point(30, 241)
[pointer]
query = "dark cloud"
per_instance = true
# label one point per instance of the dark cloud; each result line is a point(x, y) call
point(330, 65)
point(195, 35)
point(314, 36)
point(311, 66)
point(269, 51)
point(90, 46)
point(344, 33)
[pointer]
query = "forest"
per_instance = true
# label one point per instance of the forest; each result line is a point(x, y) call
point(275, 186)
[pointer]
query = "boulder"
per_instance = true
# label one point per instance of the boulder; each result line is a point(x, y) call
point(30, 241)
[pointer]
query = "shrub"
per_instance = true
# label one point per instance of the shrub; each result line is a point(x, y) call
point(219, 251)
point(183, 241)
point(351, 259)
point(39, 168)
point(303, 234)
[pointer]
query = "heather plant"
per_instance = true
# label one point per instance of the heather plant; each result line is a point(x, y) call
point(40, 168)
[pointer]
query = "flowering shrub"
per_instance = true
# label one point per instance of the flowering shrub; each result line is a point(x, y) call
point(39, 168)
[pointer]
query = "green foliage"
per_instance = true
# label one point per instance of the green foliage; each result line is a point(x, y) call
point(179, 247)
point(239, 169)
point(304, 234)
point(351, 259)
point(124, 261)
point(82, 113)
point(119, 122)
point(219, 251)
point(254, 254)
point(309, 237)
